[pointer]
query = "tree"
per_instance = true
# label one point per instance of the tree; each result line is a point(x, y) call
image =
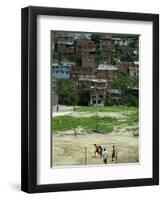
point(127, 84)
point(84, 95)
point(125, 53)
point(96, 38)
point(78, 60)
point(56, 56)
point(67, 92)
point(56, 46)
point(132, 42)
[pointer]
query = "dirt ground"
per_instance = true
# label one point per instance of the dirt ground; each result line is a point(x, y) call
point(70, 150)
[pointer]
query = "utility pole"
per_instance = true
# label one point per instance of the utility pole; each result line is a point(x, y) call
point(96, 110)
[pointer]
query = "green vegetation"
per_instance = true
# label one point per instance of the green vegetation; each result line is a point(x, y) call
point(64, 123)
point(67, 92)
point(101, 55)
point(107, 124)
point(56, 56)
point(96, 38)
point(131, 117)
point(126, 84)
point(70, 94)
point(84, 96)
point(120, 108)
point(123, 55)
point(76, 58)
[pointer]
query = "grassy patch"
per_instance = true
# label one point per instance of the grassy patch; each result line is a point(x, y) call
point(105, 124)
point(106, 109)
point(64, 123)
point(132, 118)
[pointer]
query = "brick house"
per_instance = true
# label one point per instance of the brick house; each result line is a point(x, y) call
point(85, 45)
point(81, 72)
point(106, 44)
point(107, 47)
point(86, 49)
point(65, 49)
point(106, 71)
point(88, 60)
point(123, 67)
point(128, 68)
point(65, 44)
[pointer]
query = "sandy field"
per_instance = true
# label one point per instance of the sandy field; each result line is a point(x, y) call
point(70, 150)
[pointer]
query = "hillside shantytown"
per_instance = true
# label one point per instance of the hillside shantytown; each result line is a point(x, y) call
point(94, 68)
point(95, 98)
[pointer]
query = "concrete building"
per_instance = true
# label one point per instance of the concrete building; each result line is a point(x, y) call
point(62, 70)
point(106, 71)
point(120, 41)
point(134, 69)
point(97, 89)
point(98, 92)
point(114, 94)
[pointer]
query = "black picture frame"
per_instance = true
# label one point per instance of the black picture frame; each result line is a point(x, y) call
point(29, 99)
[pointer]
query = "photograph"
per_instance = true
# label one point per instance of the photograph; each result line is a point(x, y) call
point(94, 99)
point(89, 99)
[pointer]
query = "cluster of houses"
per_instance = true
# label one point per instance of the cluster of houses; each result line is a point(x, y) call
point(77, 60)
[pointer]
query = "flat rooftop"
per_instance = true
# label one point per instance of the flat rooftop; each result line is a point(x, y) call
point(106, 67)
point(93, 80)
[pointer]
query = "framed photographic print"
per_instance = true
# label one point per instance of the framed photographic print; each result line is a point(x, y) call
point(90, 99)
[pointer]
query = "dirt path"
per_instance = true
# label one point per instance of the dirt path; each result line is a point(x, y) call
point(88, 114)
point(69, 150)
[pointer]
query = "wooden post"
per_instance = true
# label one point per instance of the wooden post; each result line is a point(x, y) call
point(85, 155)
point(116, 154)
